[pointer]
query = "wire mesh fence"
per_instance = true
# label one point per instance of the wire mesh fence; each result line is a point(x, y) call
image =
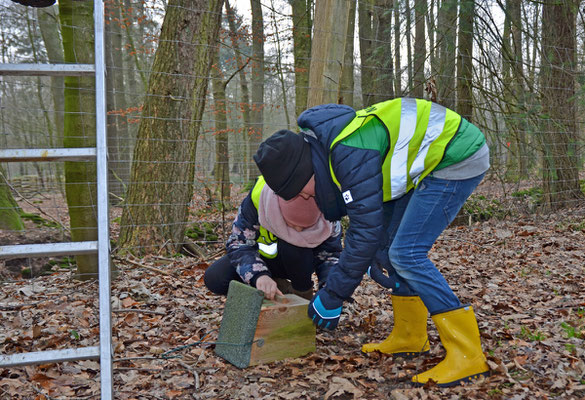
point(187, 109)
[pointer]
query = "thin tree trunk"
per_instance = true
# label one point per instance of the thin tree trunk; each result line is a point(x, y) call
point(465, 59)
point(116, 105)
point(9, 210)
point(161, 184)
point(445, 67)
point(397, 45)
point(80, 128)
point(244, 104)
point(347, 78)
point(328, 51)
point(409, 63)
point(420, 10)
point(222, 159)
point(257, 112)
point(279, 72)
point(366, 41)
point(302, 23)
point(559, 140)
point(383, 60)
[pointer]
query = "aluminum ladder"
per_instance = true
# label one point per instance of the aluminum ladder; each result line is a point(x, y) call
point(102, 352)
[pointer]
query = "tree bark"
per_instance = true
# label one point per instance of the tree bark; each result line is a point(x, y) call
point(244, 104)
point(465, 59)
point(302, 23)
point(397, 45)
point(420, 10)
point(257, 112)
point(366, 28)
point(222, 159)
point(384, 62)
point(519, 152)
point(327, 53)
point(347, 78)
point(559, 139)
point(444, 69)
point(80, 128)
point(118, 137)
point(156, 212)
point(9, 210)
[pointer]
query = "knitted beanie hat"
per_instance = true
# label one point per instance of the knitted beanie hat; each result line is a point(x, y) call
point(284, 159)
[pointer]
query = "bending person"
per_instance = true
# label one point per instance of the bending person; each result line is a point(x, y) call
point(401, 170)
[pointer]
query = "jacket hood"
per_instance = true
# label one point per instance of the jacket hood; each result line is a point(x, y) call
point(326, 120)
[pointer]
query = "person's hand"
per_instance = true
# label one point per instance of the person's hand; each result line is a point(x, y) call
point(376, 273)
point(268, 286)
point(325, 309)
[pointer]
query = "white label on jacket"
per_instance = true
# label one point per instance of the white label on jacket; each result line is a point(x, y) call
point(347, 197)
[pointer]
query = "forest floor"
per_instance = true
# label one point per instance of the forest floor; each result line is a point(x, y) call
point(522, 274)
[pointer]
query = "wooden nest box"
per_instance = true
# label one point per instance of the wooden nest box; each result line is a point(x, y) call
point(255, 330)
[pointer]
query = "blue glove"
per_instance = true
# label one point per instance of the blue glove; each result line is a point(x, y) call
point(376, 273)
point(325, 309)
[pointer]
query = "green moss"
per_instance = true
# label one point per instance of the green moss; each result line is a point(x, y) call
point(481, 208)
point(204, 232)
point(37, 219)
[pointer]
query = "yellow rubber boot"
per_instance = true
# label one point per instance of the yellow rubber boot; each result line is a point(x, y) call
point(409, 335)
point(465, 360)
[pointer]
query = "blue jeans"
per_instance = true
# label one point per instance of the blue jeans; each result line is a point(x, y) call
point(413, 223)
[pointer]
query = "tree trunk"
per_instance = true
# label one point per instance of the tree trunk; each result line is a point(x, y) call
point(397, 45)
point(9, 210)
point(161, 184)
point(257, 113)
point(49, 27)
point(465, 59)
point(445, 67)
point(302, 23)
point(409, 62)
point(244, 104)
point(384, 62)
point(366, 41)
point(328, 50)
point(420, 10)
point(80, 128)
point(278, 65)
point(222, 159)
point(559, 140)
point(513, 92)
point(116, 105)
point(347, 79)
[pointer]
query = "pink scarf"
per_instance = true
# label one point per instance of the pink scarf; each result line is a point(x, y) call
point(270, 217)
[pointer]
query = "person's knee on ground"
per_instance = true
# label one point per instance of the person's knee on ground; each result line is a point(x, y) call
point(218, 276)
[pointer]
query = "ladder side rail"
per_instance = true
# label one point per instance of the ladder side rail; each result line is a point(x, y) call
point(106, 349)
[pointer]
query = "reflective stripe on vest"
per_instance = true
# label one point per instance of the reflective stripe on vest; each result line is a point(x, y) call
point(419, 132)
point(267, 242)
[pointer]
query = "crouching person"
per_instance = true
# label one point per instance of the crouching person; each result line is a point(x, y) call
point(276, 245)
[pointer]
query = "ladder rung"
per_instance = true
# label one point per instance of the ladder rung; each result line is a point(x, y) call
point(48, 249)
point(47, 69)
point(77, 154)
point(43, 357)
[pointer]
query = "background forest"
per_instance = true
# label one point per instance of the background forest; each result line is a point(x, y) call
point(193, 87)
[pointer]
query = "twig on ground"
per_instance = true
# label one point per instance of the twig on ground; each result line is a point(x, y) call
point(123, 310)
point(160, 271)
point(193, 372)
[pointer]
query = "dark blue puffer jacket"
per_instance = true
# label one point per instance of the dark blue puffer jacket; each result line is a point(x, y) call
point(359, 171)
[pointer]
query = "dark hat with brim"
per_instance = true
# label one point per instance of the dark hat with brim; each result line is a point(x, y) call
point(284, 159)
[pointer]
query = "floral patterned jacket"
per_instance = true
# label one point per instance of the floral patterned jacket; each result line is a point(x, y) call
point(242, 248)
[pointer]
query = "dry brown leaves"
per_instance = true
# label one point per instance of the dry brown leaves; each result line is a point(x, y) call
point(523, 277)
